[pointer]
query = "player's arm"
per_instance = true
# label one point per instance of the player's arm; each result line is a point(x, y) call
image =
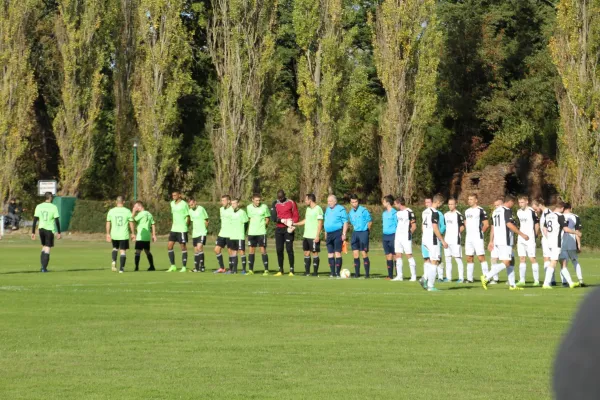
point(513, 228)
point(369, 225)
point(58, 232)
point(436, 231)
point(108, 231)
point(491, 244)
point(132, 229)
point(319, 230)
point(486, 223)
point(413, 223)
point(274, 216)
point(154, 232)
point(295, 213)
point(299, 223)
point(536, 223)
point(35, 221)
point(461, 224)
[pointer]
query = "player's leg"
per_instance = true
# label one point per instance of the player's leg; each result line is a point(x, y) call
point(265, 256)
point(574, 257)
point(337, 246)
point(434, 261)
point(221, 243)
point(123, 247)
point(504, 257)
point(483, 262)
point(315, 248)
point(448, 257)
point(170, 249)
point(289, 247)
point(398, 250)
point(412, 265)
point(307, 260)
point(554, 255)
point(252, 243)
point(355, 246)
point(522, 252)
point(114, 254)
point(366, 262)
point(183, 246)
point(279, 248)
point(137, 256)
point(196, 246)
point(470, 252)
point(535, 268)
point(564, 272)
point(242, 253)
point(440, 265)
point(150, 259)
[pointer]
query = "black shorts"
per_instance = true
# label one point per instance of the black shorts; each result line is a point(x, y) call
point(142, 245)
point(120, 244)
point(236, 245)
point(389, 244)
point(47, 238)
point(310, 245)
point(199, 240)
point(257, 241)
point(222, 242)
point(282, 233)
point(179, 237)
point(360, 241)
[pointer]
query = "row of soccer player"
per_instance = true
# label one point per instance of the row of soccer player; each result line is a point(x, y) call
point(399, 223)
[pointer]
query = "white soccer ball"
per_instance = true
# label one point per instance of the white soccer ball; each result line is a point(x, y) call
point(345, 273)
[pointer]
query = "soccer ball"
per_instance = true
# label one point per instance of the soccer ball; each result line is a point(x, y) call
point(345, 274)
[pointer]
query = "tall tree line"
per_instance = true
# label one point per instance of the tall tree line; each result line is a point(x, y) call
point(326, 96)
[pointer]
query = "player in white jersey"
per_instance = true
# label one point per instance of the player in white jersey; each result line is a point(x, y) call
point(407, 224)
point(455, 225)
point(571, 246)
point(493, 253)
point(530, 225)
point(476, 224)
point(432, 237)
point(555, 225)
point(539, 206)
point(502, 239)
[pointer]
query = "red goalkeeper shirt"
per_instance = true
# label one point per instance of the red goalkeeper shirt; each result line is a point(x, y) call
point(285, 209)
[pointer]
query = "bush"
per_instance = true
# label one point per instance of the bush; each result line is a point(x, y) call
point(90, 217)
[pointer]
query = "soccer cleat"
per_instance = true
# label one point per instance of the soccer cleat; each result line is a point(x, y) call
point(278, 274)
point(565, 284)
point(495, 282)
point(121, 271)
point(433, 289)
point(446, 280)
point(387, 278)
point(183, 269)
point(459, 281)
point(536, 284)
point(484, 282)
point(228, 272)
point(266, 273)
point(220, 271)
point(581, 284)
point(306, 274)
point(151, 269)
point(291, 274)
point(398, 278)
point(553, 283)
point(243, 272)
point(136, 269)
point(467, 281)
point(44, 270)
point(202, 269)
point(413, 279)
point(547, 287)
point(423, 284)
point(195, 270)
point(521, 283)
point(574, 285)
point(113, 266)
point(515, 288)
point(172, 269)
point(250, 272)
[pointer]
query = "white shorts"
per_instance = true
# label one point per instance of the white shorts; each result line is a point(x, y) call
point(453, 250)
point(555, 253)
point(569, 255)
point(402, 245)
point(434, 251)
point(526, 249)
point(474, 247)
point(545, 248)
point(504, 252)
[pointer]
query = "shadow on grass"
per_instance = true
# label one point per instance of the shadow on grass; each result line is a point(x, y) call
point(53, 271)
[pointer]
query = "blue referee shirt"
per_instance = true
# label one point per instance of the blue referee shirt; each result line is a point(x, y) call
point(359, 218)
point(389, 221)
point(335, 218)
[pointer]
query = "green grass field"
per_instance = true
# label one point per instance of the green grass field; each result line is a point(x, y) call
point(83, 332)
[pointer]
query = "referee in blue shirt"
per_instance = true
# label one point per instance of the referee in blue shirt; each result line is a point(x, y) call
point(336, 226)
point(361, 221)
point(389, 222)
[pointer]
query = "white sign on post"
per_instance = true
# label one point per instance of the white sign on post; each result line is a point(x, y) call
point(46, 186)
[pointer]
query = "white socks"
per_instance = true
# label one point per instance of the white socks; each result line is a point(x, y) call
point(484, 268)
point(399, 268)
point(578, 270)
point(431, 276)
point(549, 275)
point(440, 272)
point(461, 268)
point(413, 268)
point(449, 268)
point(510, 270)
point(426, 266)
point(495, 270)
point(470, 269)
point(522, 271)
point(536, 272)
point(564, 272)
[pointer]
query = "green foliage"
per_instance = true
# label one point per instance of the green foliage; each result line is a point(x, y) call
point(18, 90)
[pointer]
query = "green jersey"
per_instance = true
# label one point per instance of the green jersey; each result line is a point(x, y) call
point(47, 213)
point(198, 217)
point(225, 214)
point(257, 217)
point(119, 218)
point(313, 216)
point(180, 212)
point(144, 221)
point(238, 221)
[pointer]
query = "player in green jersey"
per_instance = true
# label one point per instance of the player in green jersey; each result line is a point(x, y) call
point(225, 214)
point(199, 219)
point(237, 236)
point(46, 214)
point(179, 230)
point(146, 232)
point(313, 226)
point(119, 227)
point(259, 216)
